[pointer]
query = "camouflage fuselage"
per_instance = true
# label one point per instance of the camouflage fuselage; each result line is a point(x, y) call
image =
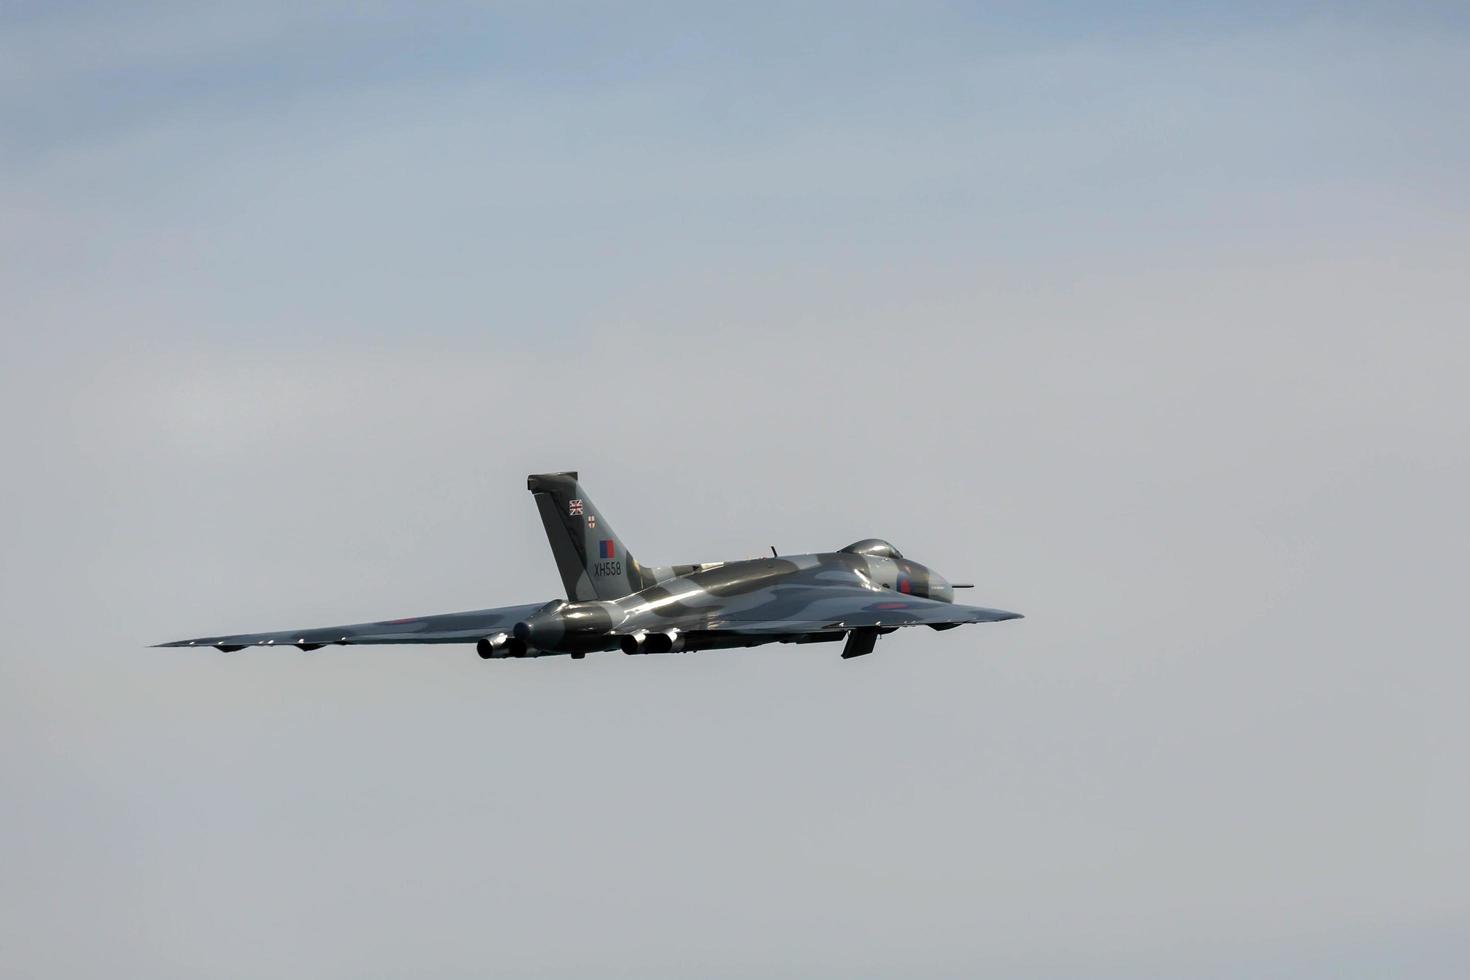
point(694, 598)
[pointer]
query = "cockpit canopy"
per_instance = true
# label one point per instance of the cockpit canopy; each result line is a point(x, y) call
point(876, 547)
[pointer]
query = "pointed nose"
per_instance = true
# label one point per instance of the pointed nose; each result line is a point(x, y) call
point(939, 588)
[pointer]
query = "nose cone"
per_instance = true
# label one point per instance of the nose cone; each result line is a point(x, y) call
point(939, 588)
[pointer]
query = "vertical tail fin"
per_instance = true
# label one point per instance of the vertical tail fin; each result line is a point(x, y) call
point(589, 555)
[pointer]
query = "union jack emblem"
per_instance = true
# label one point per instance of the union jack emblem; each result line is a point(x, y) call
point(591, 520)
point(574, 509)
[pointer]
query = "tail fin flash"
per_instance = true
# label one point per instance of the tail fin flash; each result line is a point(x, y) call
point(589, 555)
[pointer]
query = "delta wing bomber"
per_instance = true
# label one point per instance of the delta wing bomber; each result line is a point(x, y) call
point(614, 602)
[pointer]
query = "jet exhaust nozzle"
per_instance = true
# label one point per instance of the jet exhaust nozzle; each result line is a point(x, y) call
point(527, 636)
point(495, 646)
point(669, 642)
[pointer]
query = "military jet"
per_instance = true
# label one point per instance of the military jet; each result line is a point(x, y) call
point(613, 602)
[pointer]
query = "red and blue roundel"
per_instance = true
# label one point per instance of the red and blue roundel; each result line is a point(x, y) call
point(606, 548)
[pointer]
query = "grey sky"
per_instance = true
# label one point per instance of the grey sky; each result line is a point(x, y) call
point(1151, 324)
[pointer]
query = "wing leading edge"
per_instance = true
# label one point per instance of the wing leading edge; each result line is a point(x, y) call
point(828, 608)
point(462, 627)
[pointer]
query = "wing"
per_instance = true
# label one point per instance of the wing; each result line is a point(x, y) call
point(463, 627)
point(784, 610)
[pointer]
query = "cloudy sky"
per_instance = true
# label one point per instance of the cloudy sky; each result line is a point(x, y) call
point(1151, 321)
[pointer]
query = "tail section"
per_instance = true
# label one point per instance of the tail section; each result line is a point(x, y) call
point(589, 555)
